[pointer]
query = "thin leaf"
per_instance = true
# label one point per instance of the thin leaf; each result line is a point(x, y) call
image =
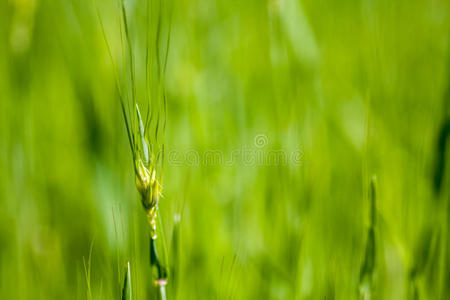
point(126, 290)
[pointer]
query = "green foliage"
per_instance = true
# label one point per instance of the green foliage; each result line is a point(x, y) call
point(366, 275)
point(350, 88)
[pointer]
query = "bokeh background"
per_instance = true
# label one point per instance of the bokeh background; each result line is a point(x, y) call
point(361, 88)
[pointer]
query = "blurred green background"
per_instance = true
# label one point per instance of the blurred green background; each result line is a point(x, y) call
point(360, 88)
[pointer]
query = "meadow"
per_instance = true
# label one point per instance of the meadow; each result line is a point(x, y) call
point(305, 151)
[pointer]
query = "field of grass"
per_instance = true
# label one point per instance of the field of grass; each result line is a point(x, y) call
point(306, 150)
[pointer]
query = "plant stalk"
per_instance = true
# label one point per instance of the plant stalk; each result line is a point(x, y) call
point(161, 274)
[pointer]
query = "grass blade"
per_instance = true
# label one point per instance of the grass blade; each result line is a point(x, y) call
point(126, 290)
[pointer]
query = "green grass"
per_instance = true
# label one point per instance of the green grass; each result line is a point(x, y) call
point(360, 88)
